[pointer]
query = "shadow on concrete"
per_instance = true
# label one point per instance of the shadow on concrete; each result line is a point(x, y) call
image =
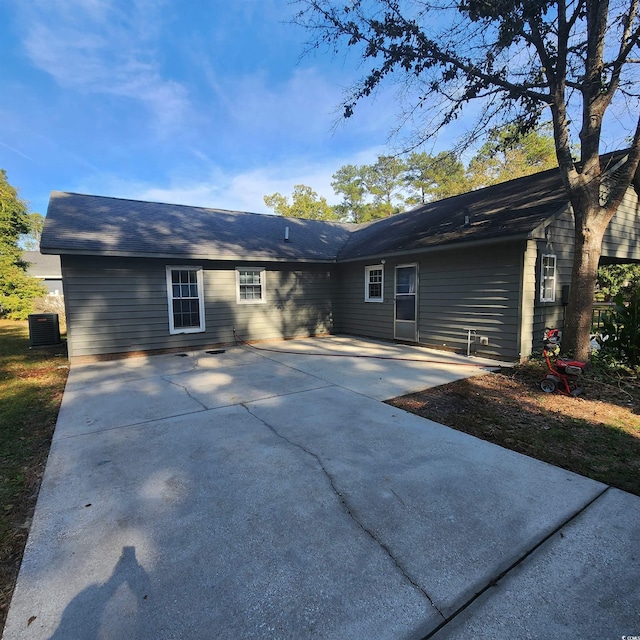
point(83, 616)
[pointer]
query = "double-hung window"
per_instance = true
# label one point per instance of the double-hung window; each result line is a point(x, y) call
point(185, 295)
point(250, 283)
point(548, 278)
point(374, 283)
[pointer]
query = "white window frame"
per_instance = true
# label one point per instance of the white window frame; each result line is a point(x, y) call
point(173, 330)
point(367, 283)
point(263, 285)
point(548, 282)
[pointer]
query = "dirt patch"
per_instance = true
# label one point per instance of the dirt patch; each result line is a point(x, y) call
point(596, 434)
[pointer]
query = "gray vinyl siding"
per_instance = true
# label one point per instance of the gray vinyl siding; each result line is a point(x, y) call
point(53, 285)
point(117, 305)
point(472, 289)
point(621, 242)
point(622, 237)
point(560, 244)
point(458, 290)
point(353, 314)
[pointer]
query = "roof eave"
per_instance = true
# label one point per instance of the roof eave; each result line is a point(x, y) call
point(185, 256)
point(440, 247)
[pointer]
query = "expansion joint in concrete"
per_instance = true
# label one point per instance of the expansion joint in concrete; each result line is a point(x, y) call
point(494, 581)
point(348, 508)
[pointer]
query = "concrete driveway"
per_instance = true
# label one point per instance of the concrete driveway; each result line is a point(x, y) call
point(252, 494)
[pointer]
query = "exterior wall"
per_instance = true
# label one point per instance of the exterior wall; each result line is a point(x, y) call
point(621, 242)
point(354, 315)
point(45, 268)
point(622, 237)
point(53, 285)
point(560, 243)
point(474, 288)
point(117, 305)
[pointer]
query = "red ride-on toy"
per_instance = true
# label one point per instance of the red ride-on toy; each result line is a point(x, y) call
point(563, 374)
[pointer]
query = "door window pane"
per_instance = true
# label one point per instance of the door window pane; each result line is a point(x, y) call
point(406, 280)
point(405, 307)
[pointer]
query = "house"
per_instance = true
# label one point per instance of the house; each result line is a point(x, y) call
point(46, 268)
point(491, 265)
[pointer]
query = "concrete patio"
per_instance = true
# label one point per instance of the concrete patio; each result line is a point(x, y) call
point(255, 494)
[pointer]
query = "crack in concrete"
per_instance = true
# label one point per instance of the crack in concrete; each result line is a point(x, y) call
point(399, 498)
point(177, 384)
point(347, 508)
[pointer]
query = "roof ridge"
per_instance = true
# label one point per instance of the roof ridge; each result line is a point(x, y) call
point(195, 206)
point(156, 202)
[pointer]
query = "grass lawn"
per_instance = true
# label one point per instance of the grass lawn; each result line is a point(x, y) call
point(31, 386)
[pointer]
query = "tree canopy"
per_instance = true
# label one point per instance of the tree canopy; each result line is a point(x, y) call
point(31, 240)
point(615, 279)
point(393, 183)
point(305, 203)
point(505, 156)
point(348, 182)
point(520, 60)
point(383, 181)
point(17, 289)
point(434, 177)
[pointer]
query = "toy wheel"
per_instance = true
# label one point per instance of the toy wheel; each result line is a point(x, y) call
point(548, 385)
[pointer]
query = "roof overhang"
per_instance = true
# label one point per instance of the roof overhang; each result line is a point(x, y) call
point(452, 246)
point(182, 256)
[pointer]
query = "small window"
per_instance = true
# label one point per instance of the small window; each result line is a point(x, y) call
point(185, 296)
point(251, 285)
point(548, 278)
point(374, 284)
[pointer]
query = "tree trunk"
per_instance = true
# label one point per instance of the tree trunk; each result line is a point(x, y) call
point(589, 231)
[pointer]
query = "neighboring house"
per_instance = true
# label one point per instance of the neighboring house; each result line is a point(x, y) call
point(147, 277)
point(46, 268)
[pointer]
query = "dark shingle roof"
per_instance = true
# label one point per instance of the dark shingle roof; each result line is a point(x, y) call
point(99, 225)
point(509, 209)
point(42, 266)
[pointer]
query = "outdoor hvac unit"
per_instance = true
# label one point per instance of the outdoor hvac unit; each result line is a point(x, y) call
point(44, 329)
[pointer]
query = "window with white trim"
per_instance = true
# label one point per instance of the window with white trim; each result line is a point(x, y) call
point(548, 278)
point(185, 297)
point(250, 285)
point(374, 283)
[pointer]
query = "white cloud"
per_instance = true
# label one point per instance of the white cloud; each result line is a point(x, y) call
point(241, 191)
point(269, 122)
point(304, 103)
point(95, 46)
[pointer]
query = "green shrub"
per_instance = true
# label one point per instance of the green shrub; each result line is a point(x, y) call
point(18, 291)
point(621, 327)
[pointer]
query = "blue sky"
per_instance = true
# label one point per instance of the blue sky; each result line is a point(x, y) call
point(201, 102)
point(196, 102)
